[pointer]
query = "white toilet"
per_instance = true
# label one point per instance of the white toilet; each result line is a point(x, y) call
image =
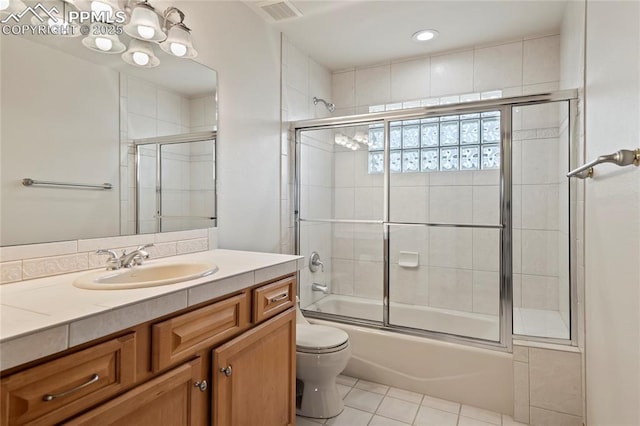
point(321, 354)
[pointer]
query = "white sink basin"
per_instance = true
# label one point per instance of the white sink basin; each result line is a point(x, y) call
point(144, 276)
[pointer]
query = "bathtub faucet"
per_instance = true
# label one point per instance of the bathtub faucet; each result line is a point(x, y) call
point(314, 262)
point(320, 287)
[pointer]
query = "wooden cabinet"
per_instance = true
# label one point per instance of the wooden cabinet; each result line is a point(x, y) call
point(271, 299)
point(174, 398)
point(57, 389)
point(228, 362)
point(254, 376)
point(180, 337)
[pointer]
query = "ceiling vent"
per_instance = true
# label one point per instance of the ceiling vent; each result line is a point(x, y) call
point(279, 10)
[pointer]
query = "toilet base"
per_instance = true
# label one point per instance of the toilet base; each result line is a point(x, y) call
point(320, 400)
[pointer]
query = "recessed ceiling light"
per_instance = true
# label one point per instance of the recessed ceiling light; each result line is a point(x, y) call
point(425, 35)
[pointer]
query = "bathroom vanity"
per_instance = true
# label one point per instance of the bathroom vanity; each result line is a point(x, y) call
point(227, 357)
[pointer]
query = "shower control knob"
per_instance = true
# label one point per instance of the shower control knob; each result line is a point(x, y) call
point(227, 371)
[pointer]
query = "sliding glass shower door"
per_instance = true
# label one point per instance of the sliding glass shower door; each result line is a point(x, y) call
point(444, 227)
point(341, 221)
point(414, 220)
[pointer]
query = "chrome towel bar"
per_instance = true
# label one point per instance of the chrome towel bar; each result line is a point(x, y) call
point(31, 182)
point(624, 157)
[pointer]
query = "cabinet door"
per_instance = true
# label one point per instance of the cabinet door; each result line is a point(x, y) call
point(172, 399)
point(254, 376)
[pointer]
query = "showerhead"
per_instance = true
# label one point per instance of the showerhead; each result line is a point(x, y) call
point(331, 107)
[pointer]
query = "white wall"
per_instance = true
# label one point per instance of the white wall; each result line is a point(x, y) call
point(245, 52)
point(612, 202)
point(42, 90)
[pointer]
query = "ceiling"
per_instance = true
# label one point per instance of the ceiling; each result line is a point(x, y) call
point(354, 33)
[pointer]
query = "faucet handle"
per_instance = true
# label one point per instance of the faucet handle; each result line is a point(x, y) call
point(112, 254)
point(113, 262)
point(142, 250)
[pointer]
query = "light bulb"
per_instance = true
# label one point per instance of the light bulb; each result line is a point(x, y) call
point(4, 4)
point(355, 146)
point(178, 49)
point(140, 58)
point(104, 44)
point(146, 32)
point(98, 6)
point(358, 137)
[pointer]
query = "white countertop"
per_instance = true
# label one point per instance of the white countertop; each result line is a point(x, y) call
point(46, 315)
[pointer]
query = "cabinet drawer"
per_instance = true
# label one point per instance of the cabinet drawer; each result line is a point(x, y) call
point(181, 337)
point(271, 299)
point(50, 392)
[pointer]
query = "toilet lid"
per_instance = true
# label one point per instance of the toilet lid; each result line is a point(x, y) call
point(319, 337)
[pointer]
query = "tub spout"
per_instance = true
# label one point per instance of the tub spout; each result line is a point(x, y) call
point(320, 287)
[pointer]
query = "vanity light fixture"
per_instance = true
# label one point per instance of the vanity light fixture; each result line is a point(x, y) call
point(103, 43)
point(11, 6)
point(424, 35)
point(178, 42)
point(360, 138)
point(140, 54)
point(144, 26)
point(144, 23)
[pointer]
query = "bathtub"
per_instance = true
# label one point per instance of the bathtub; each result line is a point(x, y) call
point(456, 372)
point(448, 321)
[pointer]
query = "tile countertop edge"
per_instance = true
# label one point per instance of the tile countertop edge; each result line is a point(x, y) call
point(246, 269)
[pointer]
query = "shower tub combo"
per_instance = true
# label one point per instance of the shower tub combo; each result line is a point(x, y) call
point(438, 318)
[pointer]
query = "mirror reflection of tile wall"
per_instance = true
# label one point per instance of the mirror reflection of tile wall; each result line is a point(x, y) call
point(149, 110)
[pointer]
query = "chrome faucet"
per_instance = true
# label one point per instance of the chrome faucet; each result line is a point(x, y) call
point(127, 260)
point(320, 287)
point(134, 258)
point(113, 262)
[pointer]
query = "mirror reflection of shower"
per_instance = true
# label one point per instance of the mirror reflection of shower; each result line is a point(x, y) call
point(331, 107)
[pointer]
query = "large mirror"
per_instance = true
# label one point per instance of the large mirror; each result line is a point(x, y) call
point(72, 115)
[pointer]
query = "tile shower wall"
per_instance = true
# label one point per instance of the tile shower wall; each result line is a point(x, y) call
point(450, 258)
point(547, 386)
point(147, 110)
point(302, 79)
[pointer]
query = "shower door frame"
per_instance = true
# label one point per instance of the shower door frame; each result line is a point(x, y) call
point(505, 106)
point(159, 142)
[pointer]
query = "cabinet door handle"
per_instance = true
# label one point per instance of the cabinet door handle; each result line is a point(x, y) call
point(51, 397)
point(280, 297)
point(227, 371)
point(201, 385)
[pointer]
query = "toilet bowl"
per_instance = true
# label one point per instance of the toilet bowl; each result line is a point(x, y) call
point(321, 354)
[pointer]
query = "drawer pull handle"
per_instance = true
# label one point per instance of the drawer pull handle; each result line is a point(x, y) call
point(50, 397)
point(227, 371)
point(201, 385)
point(280, 297)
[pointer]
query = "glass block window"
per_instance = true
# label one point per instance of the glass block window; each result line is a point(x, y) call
point(447, 143)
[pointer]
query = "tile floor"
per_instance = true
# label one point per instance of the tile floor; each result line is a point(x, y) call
point(373, 404)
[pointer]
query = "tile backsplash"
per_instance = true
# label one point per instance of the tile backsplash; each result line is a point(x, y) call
point(25, 262)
